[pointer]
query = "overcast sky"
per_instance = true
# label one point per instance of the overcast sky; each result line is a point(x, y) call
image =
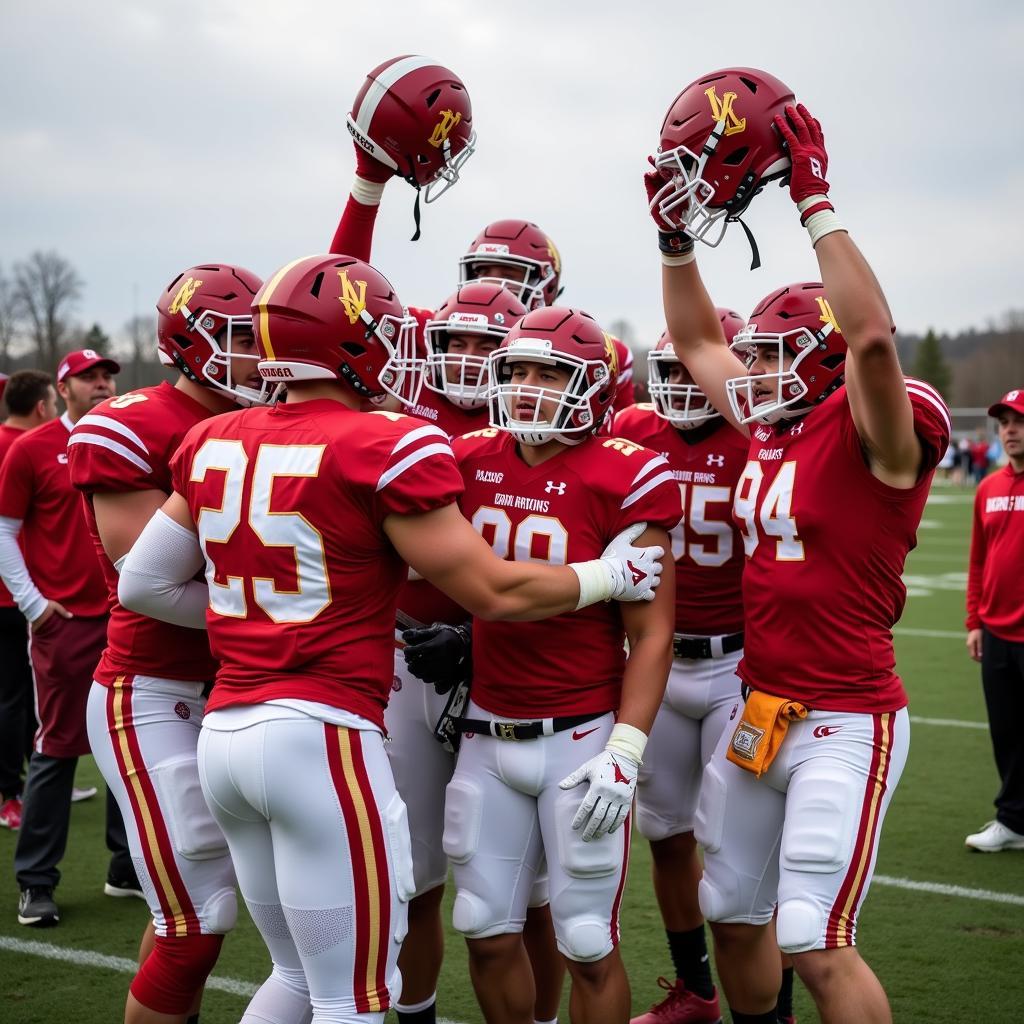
point(138, 138)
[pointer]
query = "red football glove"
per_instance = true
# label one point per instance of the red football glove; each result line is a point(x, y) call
point(672, 238)
point(802, 134)
point(370, 169)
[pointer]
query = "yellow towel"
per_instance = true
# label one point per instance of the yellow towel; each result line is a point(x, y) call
point(761, 730)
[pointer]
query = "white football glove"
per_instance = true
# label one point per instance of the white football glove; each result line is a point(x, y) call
point(624, 571)
point(612, 777)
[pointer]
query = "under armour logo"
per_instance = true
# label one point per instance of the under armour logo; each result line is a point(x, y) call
point(619, 777)
point(62, 459)
point(638, 574)
point(821, 731)
point(716, 460)
point(797, 428)
point(553, 488)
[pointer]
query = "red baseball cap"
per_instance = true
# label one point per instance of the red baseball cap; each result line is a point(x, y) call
point(1011, 400)
point(84, 359)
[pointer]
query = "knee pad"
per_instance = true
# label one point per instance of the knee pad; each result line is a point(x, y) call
point(175, 971)
point(463, 814)
point(800, 926)
point(651, 825)
point(585, 938)
point(471, 916)
point(194, 832)
point(217, 916)
point(714, 903)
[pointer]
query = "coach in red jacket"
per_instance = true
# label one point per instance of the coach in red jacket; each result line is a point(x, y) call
point(995, 622)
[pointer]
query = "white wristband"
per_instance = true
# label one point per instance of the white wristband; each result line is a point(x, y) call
point(597, 581)
point(822, 223)
point(680, 260)
point(369, 193)
point(628, 741)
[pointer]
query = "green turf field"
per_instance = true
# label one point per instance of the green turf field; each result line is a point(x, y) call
point(944, 957)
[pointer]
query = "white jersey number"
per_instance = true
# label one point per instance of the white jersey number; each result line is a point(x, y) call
point(535, 534)
point(774, 515)
point(713, 553)
point(275, 529)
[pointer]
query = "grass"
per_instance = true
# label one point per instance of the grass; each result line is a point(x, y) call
point(943, 959)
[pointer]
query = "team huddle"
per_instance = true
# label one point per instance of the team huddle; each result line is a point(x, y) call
point(467, 604)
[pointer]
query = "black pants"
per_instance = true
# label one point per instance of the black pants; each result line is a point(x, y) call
point(17, 706)
point(1002, 676)
point(45, 817)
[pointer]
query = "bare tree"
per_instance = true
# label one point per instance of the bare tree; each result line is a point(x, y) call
point(46, 287)
point(8, 320)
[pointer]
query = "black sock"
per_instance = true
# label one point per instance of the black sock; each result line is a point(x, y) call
point(690, 958)
point(428, 1015)
point(194, 1019)
point(784, 1007)
point(754, 1018)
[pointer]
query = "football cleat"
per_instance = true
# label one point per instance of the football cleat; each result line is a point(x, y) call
point(995, 836)
point(681, 1006)
point(78, 794)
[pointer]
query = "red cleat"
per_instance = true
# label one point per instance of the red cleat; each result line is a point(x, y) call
point(681, 1006)
point(10, 814)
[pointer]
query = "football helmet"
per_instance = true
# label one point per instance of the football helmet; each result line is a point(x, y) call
point(336, 318)
point(477, 308)
point(572, 340)
point(414, 116)
point(684, 405)
point(196, 316)
point(520, 244)
point(718, 149)
point(798, 322)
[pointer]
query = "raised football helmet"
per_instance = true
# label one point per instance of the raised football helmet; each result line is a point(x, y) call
point(336, 318)
point(798, 323)
point(414, 116)
point(197, 316)
point(521, 245)
point(683, 405)
point(718, 149)
point(483, 310)
point(556, 336)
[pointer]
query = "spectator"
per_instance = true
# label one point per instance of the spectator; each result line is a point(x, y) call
point(979, 458)
point(947, 463)
point(58, 586)
point(31, 401)
point(962, 469)
point(995, 622)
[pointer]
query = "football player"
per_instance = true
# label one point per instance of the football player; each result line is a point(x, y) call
point(305, 515)
point(554, 704)
point(706, 456)
point(148, 694)
point(842, 453)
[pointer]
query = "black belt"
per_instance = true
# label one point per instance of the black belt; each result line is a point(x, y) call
point(523, 730)
point(702, 647)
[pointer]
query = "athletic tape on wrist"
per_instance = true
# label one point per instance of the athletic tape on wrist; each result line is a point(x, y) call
point(678, 261)
point(628, 741)
point(369, 193)
point(596, 581)
point(818, 215)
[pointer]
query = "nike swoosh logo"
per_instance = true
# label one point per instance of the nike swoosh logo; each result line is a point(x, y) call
point(577, 735)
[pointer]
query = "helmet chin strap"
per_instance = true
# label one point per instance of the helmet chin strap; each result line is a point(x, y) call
point(755, 256)
point(411, 178)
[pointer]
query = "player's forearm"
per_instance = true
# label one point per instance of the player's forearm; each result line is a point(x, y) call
point(27, 596)
point(643, 682)
point(523, 591)
point(689, 312)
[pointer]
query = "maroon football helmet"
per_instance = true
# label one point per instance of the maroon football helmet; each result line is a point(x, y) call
point(798, 322)
point(718, 149)
point(414, 116)
point(683, 405)
point(197, 314)
point(483, 310)
point(519, 244)
point(572, 340)
point(336, 318)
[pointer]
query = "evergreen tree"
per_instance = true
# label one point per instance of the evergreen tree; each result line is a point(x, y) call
point(930, 364)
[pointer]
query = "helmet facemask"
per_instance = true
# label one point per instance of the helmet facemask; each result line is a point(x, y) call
point(685, 406)
point(448, 173)
point(529, 291)
point(461, 377)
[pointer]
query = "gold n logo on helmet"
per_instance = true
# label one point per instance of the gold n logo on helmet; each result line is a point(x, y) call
point(721, 110)
point(556, 260)
point(444, 128)
point(184, 295)
point(611, 353)
point(352, 297)
point(827, 316)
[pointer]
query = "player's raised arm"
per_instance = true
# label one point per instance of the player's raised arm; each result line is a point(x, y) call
point(443, 548)
point(879, 402)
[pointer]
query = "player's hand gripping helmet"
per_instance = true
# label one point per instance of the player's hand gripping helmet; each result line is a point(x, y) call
point(199, 316)
point(683, 405)
point(525, 250)
point(795, 324)
point(718, 149)
point(336, 318)
point(414, 116)
point(484, 310)
point(555, 336)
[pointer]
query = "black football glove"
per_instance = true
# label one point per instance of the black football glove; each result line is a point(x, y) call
point(439, 654)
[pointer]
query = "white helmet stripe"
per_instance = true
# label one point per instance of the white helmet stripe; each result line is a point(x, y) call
point(380, 85)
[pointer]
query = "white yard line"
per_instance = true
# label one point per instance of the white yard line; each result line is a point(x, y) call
point(939, 634)
point(941, 889)
point(957, 723)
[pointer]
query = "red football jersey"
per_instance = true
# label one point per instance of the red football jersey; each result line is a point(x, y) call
point(288, 502)
point(995, 584)
point(8, 435)
point(35, 486)
point(126, 444)
point(566, 509)
point(707, 545)
point(825, 543)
